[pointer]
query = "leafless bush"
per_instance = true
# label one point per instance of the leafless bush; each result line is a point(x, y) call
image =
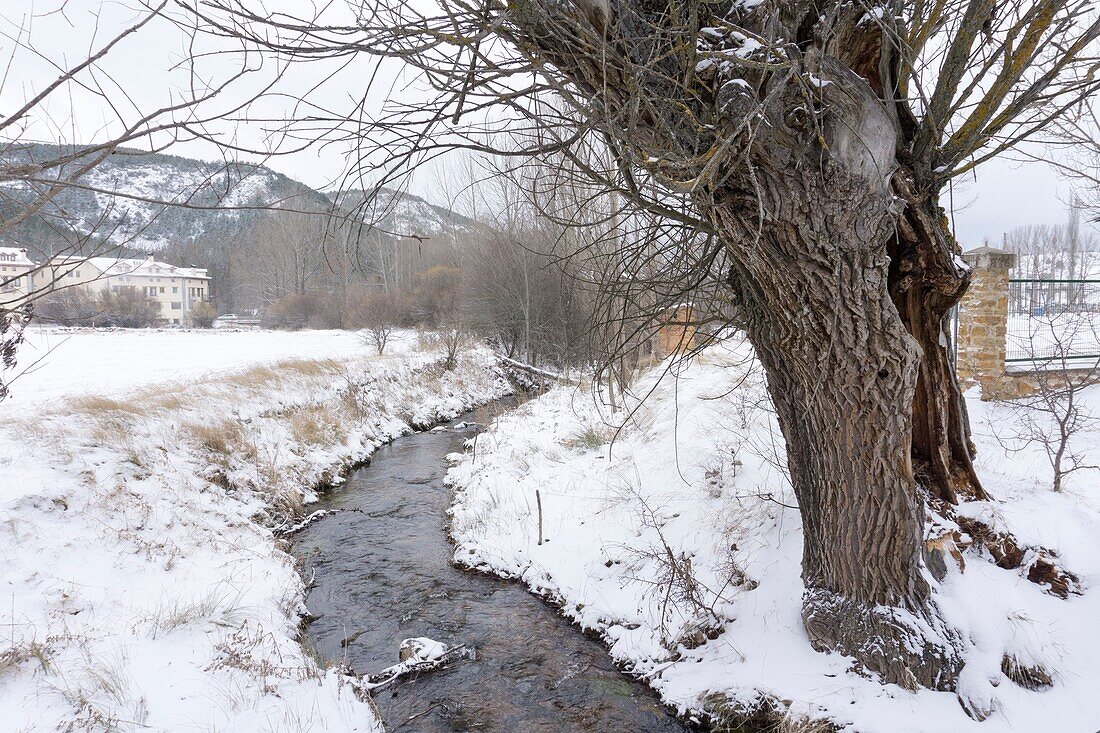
point(1053, 414)
point(68, 307)
point(378, 313)
point(676, 584)
point(305, 310)
point(127, 308)
point(450, 338)
point(203, 315)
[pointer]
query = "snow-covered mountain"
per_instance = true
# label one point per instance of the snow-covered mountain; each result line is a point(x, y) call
point(401, 213)
point(124, 200)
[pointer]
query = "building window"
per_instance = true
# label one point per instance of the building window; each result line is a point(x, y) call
point(162, 290)
point(175, 290)
point(175, 306)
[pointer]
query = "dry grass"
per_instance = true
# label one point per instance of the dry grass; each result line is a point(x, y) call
point(165, 400)
point(179, 614)
point(97, 689)
point(588, 437)
point(261, 376)
point(225, 439)
point(112, 431)
point(96, 406)
point(311, 367)
point(317, 425)
point(22, 652)
point(174, 397)
point(314, 653)
point(252, 651)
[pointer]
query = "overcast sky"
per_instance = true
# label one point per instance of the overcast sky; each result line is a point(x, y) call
point(40, 36)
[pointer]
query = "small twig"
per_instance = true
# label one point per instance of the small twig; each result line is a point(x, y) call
point(413, 717)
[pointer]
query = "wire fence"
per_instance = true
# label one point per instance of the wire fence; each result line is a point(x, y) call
point(1053, 320)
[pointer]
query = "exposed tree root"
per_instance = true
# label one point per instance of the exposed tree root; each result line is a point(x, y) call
point(904, 648)
point(1041, 564)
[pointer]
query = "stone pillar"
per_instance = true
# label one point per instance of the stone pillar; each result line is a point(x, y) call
point(983, 320)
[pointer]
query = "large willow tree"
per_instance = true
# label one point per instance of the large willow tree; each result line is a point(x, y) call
point(812, 140)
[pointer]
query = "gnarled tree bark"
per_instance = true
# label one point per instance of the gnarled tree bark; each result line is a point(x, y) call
point(843, 372)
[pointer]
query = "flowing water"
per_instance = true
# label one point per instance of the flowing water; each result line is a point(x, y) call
point(382, 574)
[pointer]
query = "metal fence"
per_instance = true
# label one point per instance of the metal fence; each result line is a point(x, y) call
point(1053, 319)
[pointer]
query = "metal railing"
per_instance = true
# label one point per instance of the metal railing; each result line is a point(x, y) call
point(1053, 319)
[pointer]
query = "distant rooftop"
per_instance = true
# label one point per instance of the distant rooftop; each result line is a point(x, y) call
point(139, 267)
point(14, 256)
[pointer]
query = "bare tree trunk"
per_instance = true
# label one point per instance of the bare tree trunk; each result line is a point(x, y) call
point(843, 374)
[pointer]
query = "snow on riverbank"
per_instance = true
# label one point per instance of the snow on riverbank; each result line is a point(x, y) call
point(680, 542)
point(143, 586)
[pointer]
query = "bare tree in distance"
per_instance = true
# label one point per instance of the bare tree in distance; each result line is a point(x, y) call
point(801, 146)
point(377, 312)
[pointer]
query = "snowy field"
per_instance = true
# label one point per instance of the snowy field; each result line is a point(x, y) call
point(680, 543)
point(145, 478)
point(60, 362)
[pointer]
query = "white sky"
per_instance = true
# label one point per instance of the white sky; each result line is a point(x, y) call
point(1004, 194)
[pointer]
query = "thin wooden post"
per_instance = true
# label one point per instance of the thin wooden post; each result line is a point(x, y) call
point(538, 501)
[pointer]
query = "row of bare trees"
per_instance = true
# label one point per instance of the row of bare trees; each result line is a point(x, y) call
point(1068, 251)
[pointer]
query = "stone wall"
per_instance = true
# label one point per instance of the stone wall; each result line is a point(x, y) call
point(677, 335)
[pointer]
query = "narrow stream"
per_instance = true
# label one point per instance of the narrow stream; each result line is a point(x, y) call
point(383, 574)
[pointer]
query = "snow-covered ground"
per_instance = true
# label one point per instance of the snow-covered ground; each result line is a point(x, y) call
point(62, 362)
point(680, 542)
point(144, 478)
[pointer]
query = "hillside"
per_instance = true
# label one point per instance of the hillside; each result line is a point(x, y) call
point(401, 213)
point(124, 200)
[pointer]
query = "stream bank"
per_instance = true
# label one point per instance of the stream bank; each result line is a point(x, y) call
point(381, 573)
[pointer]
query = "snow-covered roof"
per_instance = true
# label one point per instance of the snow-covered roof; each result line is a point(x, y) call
point(147, 267)
point(13, 256)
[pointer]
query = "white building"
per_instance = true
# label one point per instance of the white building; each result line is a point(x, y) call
point(15, 275)
point(177, 289)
